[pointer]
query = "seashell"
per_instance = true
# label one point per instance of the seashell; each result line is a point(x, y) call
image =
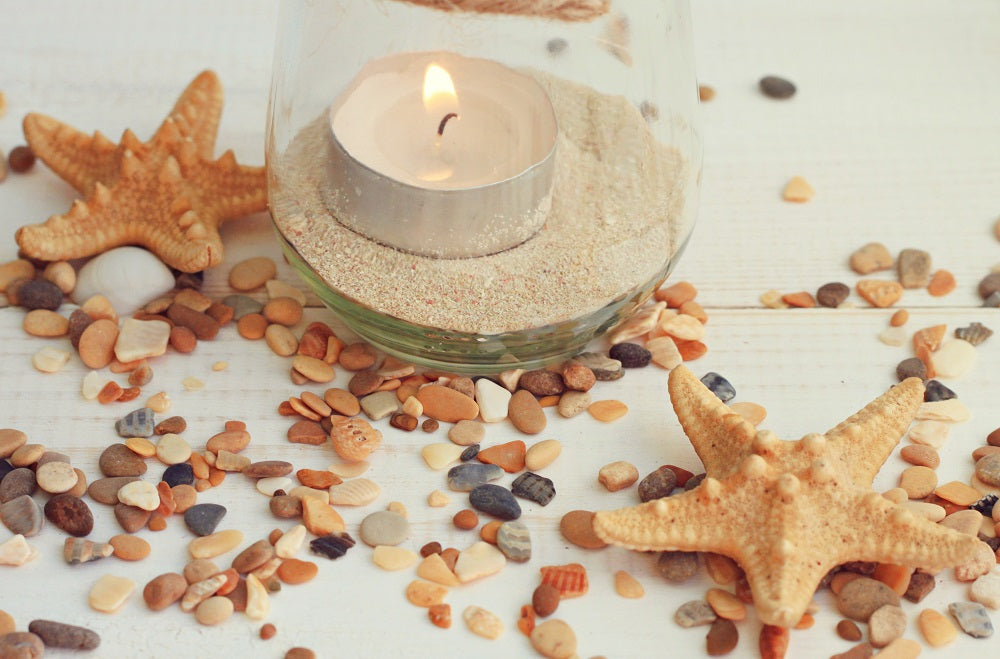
point(975, 333)
point(16, 551)
point(357, 492)
point(570, 579)
point(533, 487)
point(354, 439)
point(139, 339)
point(332, 546)
point(128, 276)
point(78, 550)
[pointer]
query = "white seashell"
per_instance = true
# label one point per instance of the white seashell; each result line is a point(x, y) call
point(139, 339)
point(943, 410)
point(954, 358)
point(357, 492)
point(128, 276)
point(929, 432)
point(16, 551)
point(347, 470)
point(268, 486)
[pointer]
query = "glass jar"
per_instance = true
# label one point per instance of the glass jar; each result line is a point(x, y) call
point(476, 191)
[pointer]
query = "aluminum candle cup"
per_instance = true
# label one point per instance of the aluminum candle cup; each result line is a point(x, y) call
point(442, 155)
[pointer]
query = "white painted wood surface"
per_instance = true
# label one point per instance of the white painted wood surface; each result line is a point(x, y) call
point(896, 124)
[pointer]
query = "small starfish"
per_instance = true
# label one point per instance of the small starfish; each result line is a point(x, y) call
point(788, 512)
point(167, 194)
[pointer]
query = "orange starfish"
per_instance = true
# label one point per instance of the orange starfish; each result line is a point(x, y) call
point(788, 512)
point(167, 194)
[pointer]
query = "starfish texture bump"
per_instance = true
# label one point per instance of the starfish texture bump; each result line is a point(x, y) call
point(788, 511)
point(168, 194)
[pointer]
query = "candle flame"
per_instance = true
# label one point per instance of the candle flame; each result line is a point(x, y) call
point(439, 90)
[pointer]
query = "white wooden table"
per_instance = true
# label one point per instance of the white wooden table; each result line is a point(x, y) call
point(897, 125)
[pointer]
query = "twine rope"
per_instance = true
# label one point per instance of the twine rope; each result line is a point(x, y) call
point(563, 10)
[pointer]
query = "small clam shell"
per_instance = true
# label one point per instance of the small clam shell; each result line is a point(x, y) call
point(128, 276)
point(975, 333)
point(570, 579)
point(356, 492)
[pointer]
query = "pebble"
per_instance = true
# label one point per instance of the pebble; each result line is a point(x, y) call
point(628, 586)
point(606, 411)
point(253, 556)
point(542, 454)
point(722, 637)
point(525, 412)
point(470, 453)
point(119, 460)
point(268, 469)
point(554, 639)
point(178, 474)
point(252, 273)
point(438, 499)
point(677, 566)
point(295, 571)
point(986, 590)
point(15, 551)
point(482, 622)
point(45, 323)
point(7, 624)
point(886, 624)
point(973, 618)
point(533, 487)
point(542, 382)
point(695, 613)
point(719, 386)
point(17, 482)
point(140, 494)
point(203, 518)
point(440, 455)
point(911, 367)
point(629, 355)
point(577, 527)
point(384, 528)
point(380, 404)
point(494, 500)
point(573, 403)
point(214, 610)
point(393, 558)
point(10, 441)
point(871, 258)
point(658, 484)
point(726, 604)
point(56, 477)
point(936, 628)
point(425, 594)
point(171, 449)
point(130, 518)
point(921, 455)
point(618, 475)
point(974, 333)
point(22, 515)
point(130, 547)
point(20, 645)
point(833, 294)
point(861, 597)
point(919, 482)
point(578, 377)
point(514, 540)
point(492, 400)
point(467, 432)
point(603, 367)
point(27, 455)
point(776, 87)
point(356, 492)
point(105, 490)
point(109, 593)
point(988, 469)
point(215, 544)
point(880, 293)
point(447, 405)
point(913, 267)
point(508, 456)
point(354, 439)
point(71, 514)
point(62, 635)
point(39, 294)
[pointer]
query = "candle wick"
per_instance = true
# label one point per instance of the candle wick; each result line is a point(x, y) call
point(444, 122)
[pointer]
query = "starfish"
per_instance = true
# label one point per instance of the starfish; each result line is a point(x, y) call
point(788, 511)
point(167, 194)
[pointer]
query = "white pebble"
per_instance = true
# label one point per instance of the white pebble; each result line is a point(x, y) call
point(16, 551)
point(480, 560)
point(893, 336)
point(986, 590)
point(191, 383)
point(929, 433)
point(139, 339)
point(91, 385)
point(268, 486)
point(172, 449)
point(290, 542)
point(492, 399)
point(954, 359)
point(139, 494)
point(50, 360)
point(439, 455)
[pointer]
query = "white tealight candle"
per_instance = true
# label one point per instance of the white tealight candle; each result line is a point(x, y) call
point(442, 155)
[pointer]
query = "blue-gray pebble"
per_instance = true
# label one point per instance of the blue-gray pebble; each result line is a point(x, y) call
point(202, 518)
point(973, 618)
point(935, 391)
point(494, 500)
point(465, 477)
point(137, 423)
point(719, 386)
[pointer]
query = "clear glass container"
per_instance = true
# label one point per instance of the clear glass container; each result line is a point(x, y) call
point(476, 191)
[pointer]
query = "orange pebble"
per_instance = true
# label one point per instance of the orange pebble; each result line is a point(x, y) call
point(130, 393)
point(508, 456)
point(198, 465)
point(232, 580)
point(805, 622)
point(692, 308)
point(802, 299)
point(526, 623)
point(489, 531)
point(929, 337)
point(157, 522)
point(942, 283)
point(109, 393)
point(570, 580)
point(548, 401)
point(676, 294)
point(216, 476)
point(465, 519)
point(296, 571)
point(896, 577)
point(691, 350)
point(440, 615)
point(252, 326)
point(899, 318)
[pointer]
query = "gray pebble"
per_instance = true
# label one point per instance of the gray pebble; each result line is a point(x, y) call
point(719, 386)
point(22, 515)
point(988, 469)
point(514, 540)
point(776, 87)
point(39, 294)
point(694, 614)
point(677, 566)
point(384, 527)
point(913, 267)
point(833, 294)
point(202, 518)
point(61, 635)
point(556, 46)
point(658, 484)
point(993, 301)
point(934, 391)
point(469, 453)
point(466, 477)
point(533, 487)
point(242, 305)
point(605, 368)
point(973, 618)
point(495, 500)
point(380, 404)
point(631, 355)
point(911, 367)
point(17, 482)
point(137, 423)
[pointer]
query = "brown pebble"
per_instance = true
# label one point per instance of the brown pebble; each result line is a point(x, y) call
point(577, 526)
point(859, 598)
point(357, 357)
point(164, 590)
point(722, 637)
point(267, 631)
point(182, 339)
point(465, 519)
point(21, 645)
point(130, 547)
point(920, 455)
point(433, 547)
point(307, 432)
point(252, 326)
point(848, 630)
point(205, 327)
point(545, 600)
point(300, 653)
point(283, 311)
point(524, 412)
point(429, 425)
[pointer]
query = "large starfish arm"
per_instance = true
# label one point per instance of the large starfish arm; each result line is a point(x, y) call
point(197, 112)
point(235, 190)
point(867, 438)
point(79, 159)
point(720, 437)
